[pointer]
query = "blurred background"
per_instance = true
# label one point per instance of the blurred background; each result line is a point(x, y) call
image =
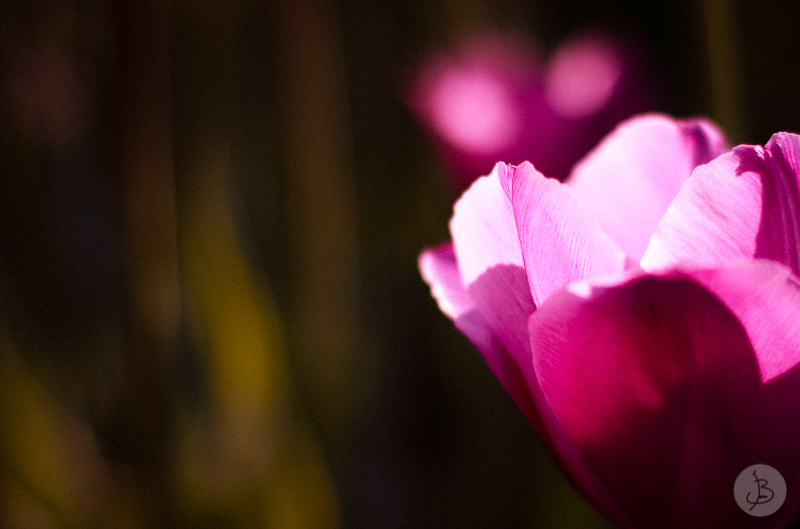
point(210, 217)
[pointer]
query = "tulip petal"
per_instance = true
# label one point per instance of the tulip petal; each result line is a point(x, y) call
point(483, 228)
point(489, 259)
point(440, 271)
point(658, 385)
point(765, 297)
point(629, 180)
point(779, 233)
point(715, 217)
point(744, 204)
point(560, 242)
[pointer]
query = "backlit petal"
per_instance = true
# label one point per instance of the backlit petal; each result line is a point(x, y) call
point(489, 258)
point(440, 271)
point(438, 267)
point(483, 228)
point(743, 204)
point(628, 181)
point(779, 232)
point(560, 242)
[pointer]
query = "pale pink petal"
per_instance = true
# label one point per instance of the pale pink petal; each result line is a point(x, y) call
point(715, 217)
point(743, 204)
point(489, 257)
point(439, 269)
point(658, 385)
point(514, 371)
point(560, 242)
point(484, 230)
point(490, 261)
point(628, 181)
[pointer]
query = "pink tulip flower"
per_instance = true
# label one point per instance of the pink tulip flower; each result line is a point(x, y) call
point(645, 317)
point(493, 98)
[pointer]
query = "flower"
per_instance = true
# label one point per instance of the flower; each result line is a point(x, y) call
point(493, 98)
point(643, 315)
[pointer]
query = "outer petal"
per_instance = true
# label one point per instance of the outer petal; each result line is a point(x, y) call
point(779, 234)
point(560, 242)
point(744, 204)
point(489, 258)
point(490, 262)
point(628, 181)
point(483, 228)
point(439, 269)
point(765, 297)
point(658, 384)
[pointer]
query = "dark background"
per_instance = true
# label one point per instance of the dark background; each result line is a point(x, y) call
point(124, 124)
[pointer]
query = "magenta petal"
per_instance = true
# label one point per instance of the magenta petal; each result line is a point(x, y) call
point(779, 232)
point(629, 180)
point(439, 269)
point(658, 385)
point(765, 297)
point(560, 242)
point(743, 204)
